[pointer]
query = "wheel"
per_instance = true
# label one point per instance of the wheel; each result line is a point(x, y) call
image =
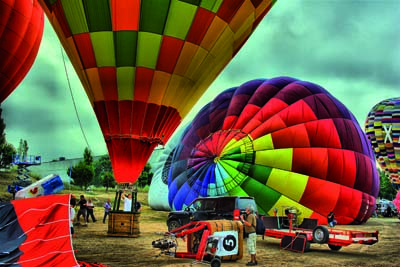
point(173, 225)
point(320, 234)
point(308, 244)
point(334, 247)
point(216, 262)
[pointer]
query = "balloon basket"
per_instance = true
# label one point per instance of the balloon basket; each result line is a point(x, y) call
point(124, 224)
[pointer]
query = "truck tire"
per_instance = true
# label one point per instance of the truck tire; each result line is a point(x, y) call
point(173, 225)
point(334, 247)
point(320, 234)
point(216, 262)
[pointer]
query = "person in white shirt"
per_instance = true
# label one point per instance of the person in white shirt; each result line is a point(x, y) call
point(127, 202)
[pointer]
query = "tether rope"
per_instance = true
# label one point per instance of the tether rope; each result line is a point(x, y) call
point(73, 100)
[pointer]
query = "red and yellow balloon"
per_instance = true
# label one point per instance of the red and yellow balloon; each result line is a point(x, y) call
point(21, 31)
point(145, 63)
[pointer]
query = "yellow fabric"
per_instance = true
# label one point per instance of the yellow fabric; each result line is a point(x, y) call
point(288, 183)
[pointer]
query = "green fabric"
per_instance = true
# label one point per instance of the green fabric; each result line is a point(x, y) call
point(98, 15)
point(125, 81)
point(125, 47)
point(193, 2)
point(153, 14)
point(103, 46)
point(259, 192)
point(180, 18)
point(148, 49)
point(217, 5)
point(260, 173)
point(208, 4)
point(75, 16)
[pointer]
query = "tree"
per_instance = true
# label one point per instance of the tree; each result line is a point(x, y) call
point(386, 189)
point(108, 180)
point(101, 166)
point(7, 151)
point(87, 157)
point(82, 174)
point(146, 176)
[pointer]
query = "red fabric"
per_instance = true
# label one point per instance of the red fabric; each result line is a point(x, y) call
point(228, 9)
point(125, 15)
point(316, 191)
point(200, 26)
point(319, 158)
point(21, 30)
point(169, 53)
point(143, 80)
point(59, 14)
point(113, 116)
point(139, 109)
point(128, 157)
point(125, 122)
point(152, 112)
point(108, 79)
point(45, 221)
point(84, 46)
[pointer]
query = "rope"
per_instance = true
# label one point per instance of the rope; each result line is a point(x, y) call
point(73, 100)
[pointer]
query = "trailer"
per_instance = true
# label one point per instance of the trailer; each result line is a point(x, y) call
point(300, 239)
point(208, 242)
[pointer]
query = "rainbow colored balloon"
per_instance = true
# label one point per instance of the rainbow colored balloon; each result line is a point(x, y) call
point(145, 63)
point(287, 143)
point(383, 130)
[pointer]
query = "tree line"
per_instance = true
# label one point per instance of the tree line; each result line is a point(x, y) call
point(99, 172)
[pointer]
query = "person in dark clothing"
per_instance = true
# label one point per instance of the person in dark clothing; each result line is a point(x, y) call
point(331, 219)
point(82, 209)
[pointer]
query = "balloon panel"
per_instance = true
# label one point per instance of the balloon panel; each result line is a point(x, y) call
point(21, 30)
point(383, 130)
point(286, 142)
point(144, 64)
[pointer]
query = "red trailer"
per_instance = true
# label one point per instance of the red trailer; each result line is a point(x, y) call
point(300, 239)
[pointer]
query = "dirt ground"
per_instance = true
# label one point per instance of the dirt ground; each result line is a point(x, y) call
point(93, 245)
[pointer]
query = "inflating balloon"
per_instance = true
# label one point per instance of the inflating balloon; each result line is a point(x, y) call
point(287, 143)
point(383, 130)
point(144, 64)
point(21, 30)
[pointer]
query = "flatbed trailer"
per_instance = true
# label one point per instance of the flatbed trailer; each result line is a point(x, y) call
point(300, 239)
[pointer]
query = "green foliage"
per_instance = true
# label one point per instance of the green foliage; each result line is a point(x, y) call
point(87, 157)
point(6, 155)
point(6, 150)
point(386, 189)
point(82, 174)
point(146, 176)
point(101, 166)
point(144, 189)
point(108, 180)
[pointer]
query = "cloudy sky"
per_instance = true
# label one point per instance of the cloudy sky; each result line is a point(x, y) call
point(351, 48)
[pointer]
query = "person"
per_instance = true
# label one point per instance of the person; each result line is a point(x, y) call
point(138, 206)
point(250, 223)
point(389, 211)
point(331, 219)
point(82, 209)
point(127, 202)
point(107, 208)
point(90, 212)
point(72, 203)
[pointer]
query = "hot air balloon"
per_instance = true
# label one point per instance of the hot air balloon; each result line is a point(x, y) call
point(287, 143)
point(145, 63)
point(21, 30)
point(383, 130)
point(160, 165)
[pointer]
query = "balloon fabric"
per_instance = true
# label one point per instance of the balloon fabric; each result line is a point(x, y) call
point(21, 31)
point(287, 143)
point(145, 63)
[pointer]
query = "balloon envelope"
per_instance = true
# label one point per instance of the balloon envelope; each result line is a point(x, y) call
point(21, 31)
point(144, 64)
point(287, 143)
point(383, 130)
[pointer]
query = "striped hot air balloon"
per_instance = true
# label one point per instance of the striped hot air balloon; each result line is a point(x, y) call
point(145, 63)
